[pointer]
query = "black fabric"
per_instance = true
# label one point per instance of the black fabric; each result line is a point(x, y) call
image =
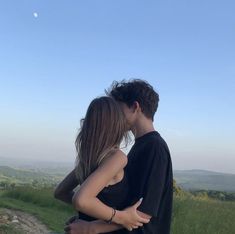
point(115, 196)
point(149, 171)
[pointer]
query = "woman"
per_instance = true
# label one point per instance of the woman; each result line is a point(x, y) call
point(100, 168)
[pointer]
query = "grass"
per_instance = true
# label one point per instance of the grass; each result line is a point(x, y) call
point(195, 216)
point(42, 197)
point(9, 229)
point(39, 203)
point(191, 215)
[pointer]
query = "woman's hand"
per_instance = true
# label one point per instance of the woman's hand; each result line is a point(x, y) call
point(129, 218)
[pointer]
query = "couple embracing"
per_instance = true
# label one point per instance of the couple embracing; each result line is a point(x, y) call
point(120, 193)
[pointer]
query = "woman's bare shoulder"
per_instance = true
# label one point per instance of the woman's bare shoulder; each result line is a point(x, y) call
point(117, 157)
point(121, 156)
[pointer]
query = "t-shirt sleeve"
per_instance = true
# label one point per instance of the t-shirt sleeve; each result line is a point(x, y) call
point(156, 180)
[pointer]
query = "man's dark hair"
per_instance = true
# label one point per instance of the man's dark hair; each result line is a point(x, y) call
point(135, 90)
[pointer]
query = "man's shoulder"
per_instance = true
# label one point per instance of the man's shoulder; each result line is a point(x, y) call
point(155, 141)
point(150, 148)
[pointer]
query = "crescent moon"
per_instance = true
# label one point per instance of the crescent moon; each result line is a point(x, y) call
point(35, 14)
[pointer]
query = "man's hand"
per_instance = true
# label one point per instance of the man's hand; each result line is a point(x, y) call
point(71, 220)
point(80, 227)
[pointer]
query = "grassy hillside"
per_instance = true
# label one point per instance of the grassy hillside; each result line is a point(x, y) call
point(198, 216)
point(191, 215)
point(40, 203)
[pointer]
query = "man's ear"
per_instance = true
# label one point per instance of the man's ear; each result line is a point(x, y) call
point(136, 107)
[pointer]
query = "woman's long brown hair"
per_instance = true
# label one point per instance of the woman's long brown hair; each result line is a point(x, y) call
point(102, 130)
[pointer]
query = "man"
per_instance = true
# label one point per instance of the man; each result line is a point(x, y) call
point(149, 167)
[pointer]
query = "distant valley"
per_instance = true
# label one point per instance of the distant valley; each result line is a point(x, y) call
point(30, 171)
point(205, 180)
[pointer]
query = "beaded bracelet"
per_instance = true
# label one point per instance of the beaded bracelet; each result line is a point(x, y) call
point(113, 214)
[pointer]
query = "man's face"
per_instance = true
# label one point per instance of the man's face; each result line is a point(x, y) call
point(129, 114)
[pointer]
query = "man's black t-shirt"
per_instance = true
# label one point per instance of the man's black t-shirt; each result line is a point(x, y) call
point(149, 171)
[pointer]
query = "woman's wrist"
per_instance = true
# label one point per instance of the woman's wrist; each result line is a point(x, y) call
point(119, 217)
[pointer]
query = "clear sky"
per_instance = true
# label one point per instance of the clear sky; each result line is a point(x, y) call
point(56, 56)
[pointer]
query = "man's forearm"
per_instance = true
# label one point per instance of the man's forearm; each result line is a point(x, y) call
point(64, 190)
point(101, 226)
point(67, 197)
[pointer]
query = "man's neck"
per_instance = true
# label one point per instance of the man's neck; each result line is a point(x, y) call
point(142, 127)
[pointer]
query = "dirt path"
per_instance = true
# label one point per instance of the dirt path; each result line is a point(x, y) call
point(22, 221)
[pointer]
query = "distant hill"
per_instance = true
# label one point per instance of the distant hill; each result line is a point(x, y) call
point(19, 177)
point(17, 172)
point(22, 171)
point(37, 165)
point(205, 180)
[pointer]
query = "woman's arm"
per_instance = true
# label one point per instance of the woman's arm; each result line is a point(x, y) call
point(64, 190)
point(86, 200)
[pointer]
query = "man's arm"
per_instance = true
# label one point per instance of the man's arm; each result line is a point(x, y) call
point(97, 226)
point(155, 184)
point(103, 227)
point(93, 227)
point(64, 190)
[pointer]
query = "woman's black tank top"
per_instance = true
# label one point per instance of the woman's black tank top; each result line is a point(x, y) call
point(115, 196)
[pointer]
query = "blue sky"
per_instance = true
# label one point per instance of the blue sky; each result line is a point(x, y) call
point(53, 65)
